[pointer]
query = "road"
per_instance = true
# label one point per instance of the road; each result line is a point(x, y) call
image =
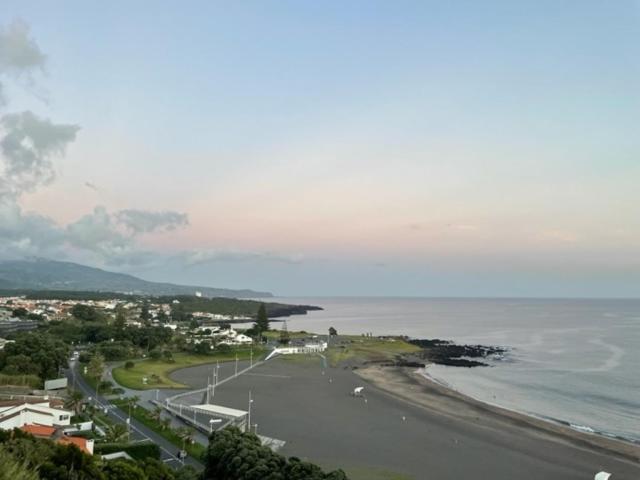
point(168, 451)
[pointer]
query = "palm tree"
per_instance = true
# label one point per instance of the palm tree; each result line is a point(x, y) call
point(116, 433)
point(74, 401)
point(165, 423)
point(132, 402)
point(156, 413)
point(186, 434)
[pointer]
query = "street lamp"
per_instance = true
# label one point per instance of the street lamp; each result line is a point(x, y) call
point(249, 413)
point(212, 421)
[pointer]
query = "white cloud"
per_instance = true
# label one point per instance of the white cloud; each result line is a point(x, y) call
point(142, 221)
point(20, 55)
point(27, 147)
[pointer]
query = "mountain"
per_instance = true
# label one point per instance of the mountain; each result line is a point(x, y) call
point(43, 274)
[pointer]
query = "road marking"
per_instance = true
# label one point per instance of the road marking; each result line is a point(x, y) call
point(268, 375)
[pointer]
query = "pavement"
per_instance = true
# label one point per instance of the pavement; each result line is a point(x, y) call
point(312, 409)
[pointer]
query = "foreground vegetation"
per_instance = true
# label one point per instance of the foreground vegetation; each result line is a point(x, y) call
point(25, 457)
point(233, 455)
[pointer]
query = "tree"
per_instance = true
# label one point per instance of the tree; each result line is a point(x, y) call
point(203, 348)
point(186, 435)
point(128, 365)
point(144, 312)
point(162, 317)
point(284, 334)
point(333, 332)
point(46, 355)
point(155, 354)
point(165, 423)
point(157, 470)
point(74, 401)
point(132, 402)
point(13, 469)
point(124, 470)
point(95, 369)
point(121, 320)
point(116, 432)
point(168, 356)
point(233, 455)
point(86, 313)
point(156, 413)
point(262, 321)
point(19, 312)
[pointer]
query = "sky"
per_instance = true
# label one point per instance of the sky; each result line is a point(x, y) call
point(399, 148)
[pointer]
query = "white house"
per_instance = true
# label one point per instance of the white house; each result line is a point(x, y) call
point(41, 413)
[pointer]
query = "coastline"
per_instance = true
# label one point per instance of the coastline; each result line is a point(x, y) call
point(418, 389)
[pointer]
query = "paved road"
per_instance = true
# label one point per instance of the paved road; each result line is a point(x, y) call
point(139, 432)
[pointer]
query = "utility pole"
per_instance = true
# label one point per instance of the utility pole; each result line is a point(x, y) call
point(249, 413)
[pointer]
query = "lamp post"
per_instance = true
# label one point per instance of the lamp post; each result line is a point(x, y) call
point(212, 421)
point(249, 413)
point(251, 358)
point(236, 374)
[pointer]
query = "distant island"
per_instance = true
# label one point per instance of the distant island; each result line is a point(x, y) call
point(43, 274)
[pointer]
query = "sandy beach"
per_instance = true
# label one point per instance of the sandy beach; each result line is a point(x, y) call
point(406, 427)
point(413, 386)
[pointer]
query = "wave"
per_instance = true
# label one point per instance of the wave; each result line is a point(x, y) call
point(581, 428)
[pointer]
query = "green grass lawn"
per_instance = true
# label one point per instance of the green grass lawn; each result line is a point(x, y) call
point(275, 334)
point(368, 349)
point(132, 378)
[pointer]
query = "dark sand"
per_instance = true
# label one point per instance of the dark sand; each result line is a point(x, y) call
point(407, 425)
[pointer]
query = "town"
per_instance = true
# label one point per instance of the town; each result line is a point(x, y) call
point(73, 369)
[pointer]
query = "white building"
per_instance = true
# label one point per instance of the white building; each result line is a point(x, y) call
point(299, 349)
point(21, 414)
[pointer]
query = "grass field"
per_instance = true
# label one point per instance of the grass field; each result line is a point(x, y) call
point(157, 371)
point(367, 349)
point(275, 334)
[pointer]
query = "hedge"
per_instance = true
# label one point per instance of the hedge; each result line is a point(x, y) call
point(137, 451)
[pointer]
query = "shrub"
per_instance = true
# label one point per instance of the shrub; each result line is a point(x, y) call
point(138, 451)
point(129, 365)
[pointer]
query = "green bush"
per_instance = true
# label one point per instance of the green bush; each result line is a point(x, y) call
point(32, 381)
point(137, 451)
point(232, 454)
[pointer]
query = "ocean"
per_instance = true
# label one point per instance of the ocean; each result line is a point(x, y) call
point(570, 361)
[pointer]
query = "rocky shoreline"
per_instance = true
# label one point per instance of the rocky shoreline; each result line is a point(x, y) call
point(444, 352)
